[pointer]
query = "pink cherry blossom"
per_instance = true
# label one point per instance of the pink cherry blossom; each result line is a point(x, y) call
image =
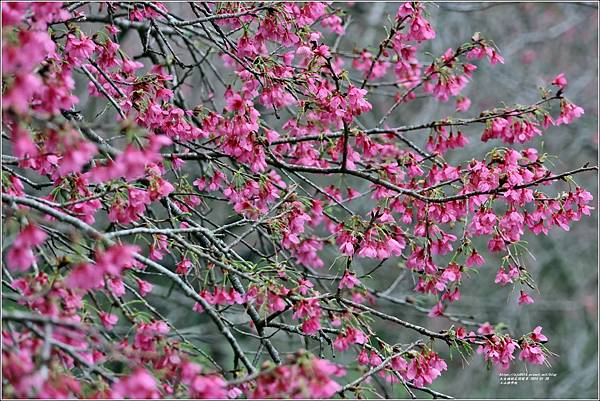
point(537, 335)
point(532, 354)
point(560, 80)
point(463, 103)
point(568, 113)
point(79, 48)
point(108, 320)
point(525, 298)
point(475, 259)
point(140, 384)
point(349, 280)
point(21, 256)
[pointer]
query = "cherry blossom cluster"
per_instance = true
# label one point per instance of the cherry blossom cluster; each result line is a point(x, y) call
point(253, 199)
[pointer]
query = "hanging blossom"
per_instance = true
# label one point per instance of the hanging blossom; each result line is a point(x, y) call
point(307, 378)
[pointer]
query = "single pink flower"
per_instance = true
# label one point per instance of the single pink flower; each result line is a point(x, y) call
point(560, 80)
point(463, 103)
point(108, 320)
point(349, 280)
point(524, 298)
point(537, 335)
